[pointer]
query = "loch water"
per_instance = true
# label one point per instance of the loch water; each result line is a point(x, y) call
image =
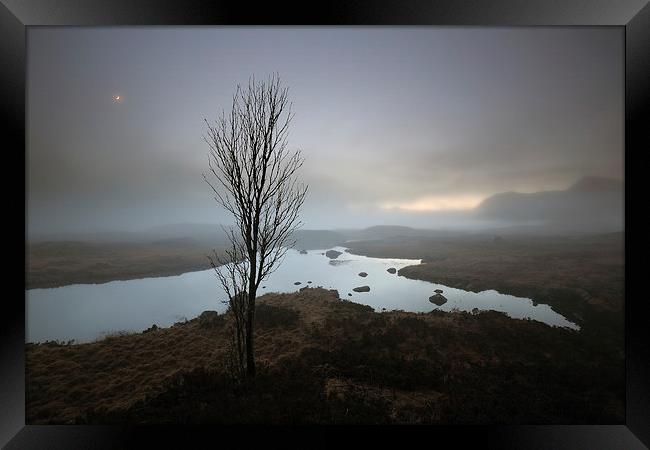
point(85, 312)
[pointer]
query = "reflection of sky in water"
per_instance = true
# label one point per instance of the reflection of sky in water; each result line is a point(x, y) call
point(85, 311)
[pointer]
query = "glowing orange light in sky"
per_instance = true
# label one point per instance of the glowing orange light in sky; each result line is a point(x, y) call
point(437, 203)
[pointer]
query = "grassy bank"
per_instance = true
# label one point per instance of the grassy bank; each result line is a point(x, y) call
point(580, 277)
point(323, 360)
point(59, 263)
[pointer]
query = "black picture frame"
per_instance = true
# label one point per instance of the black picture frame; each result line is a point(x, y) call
point(633, 15)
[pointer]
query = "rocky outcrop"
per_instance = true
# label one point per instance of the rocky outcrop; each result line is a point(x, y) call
point(362, 289)
point(438, 299)
point(391, 270)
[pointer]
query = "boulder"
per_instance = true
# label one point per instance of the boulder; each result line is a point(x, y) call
point(438, 291)
point(309, 282)
point(438, 299)
point(349, 294)
point(362, 289)
point(297, 283)
point(392, 270)
point(332, 254)
point(363, 274)
point(475, 311)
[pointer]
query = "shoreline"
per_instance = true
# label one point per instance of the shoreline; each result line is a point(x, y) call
point(580, 279)
point(389, 294)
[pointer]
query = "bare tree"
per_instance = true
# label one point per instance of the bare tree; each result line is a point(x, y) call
point(254, 176)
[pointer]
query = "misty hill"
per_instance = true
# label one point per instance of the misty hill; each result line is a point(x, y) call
point(318, 239)
point(379, 232)
point(213, 234)
point(384, 231)
point(174, 234)
point(593, 204)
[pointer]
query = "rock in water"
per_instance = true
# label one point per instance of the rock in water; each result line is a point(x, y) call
point(297, 283)
point(363, 274)
point(303, 252)
point(362, 289)
point(332, 254)
point(392, 270)
point(438, 299)
point(438, 291)
point(349, 294)
point(309, 282)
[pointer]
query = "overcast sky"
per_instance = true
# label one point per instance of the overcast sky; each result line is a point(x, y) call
point(394, 123)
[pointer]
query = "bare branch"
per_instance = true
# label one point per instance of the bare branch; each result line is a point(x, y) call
point(254, 177)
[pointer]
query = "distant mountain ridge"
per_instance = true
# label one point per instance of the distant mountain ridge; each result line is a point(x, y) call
point(394, 231)
point(591, 204)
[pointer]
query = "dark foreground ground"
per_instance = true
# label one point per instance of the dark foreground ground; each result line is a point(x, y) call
point(324, 360)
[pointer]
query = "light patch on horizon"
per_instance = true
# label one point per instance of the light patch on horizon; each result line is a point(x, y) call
point(435, 203)
point(117, 98)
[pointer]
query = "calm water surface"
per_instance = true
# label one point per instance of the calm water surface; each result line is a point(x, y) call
point(85, 312)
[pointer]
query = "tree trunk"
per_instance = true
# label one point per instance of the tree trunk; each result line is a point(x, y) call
point(250, 322)
point(250, 354)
